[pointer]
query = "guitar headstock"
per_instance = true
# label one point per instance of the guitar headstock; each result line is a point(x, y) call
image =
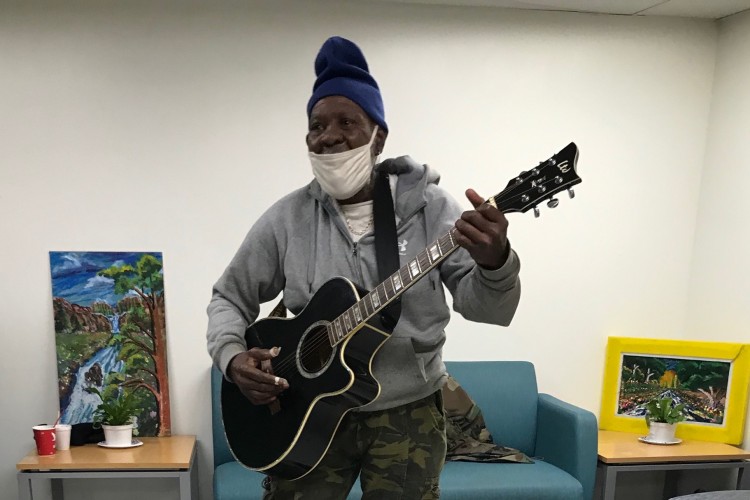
point(541, 183)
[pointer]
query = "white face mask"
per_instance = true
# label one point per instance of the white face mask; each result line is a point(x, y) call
point(342, 175)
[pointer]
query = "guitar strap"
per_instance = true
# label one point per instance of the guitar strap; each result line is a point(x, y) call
point(386, 243)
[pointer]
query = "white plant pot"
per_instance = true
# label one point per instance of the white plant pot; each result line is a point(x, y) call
point(118, 435)
point(661, 432)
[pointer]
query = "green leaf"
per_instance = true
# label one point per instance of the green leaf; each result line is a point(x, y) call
point(664, 410)
point(116, 408)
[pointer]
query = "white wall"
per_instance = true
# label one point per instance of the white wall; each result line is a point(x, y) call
point(720, 288)
point(171, 127)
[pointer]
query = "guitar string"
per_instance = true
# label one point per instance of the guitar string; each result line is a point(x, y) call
point(320, 339)
point(323, 337)
point(288, 362)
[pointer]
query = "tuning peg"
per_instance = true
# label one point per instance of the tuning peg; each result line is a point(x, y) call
point(536, 212)
point(553, 202)
point(571, 193)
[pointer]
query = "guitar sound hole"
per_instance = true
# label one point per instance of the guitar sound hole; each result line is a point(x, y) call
point(315, 352)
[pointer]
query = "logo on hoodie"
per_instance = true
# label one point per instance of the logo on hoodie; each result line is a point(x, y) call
point(402, 247)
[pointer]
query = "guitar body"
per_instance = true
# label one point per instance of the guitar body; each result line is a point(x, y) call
point(289, 437)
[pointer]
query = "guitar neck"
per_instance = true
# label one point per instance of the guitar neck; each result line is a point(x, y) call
point(392, 288)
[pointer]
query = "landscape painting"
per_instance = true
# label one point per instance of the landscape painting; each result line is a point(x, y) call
point(710, 378)
point(110, 334)
point(700, 384)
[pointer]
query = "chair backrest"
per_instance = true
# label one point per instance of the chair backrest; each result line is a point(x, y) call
point(221, 447)
point(507, 394)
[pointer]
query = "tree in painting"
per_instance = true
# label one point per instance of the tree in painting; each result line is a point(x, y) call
point(142, 334)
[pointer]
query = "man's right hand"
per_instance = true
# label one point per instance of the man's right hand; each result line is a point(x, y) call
point(253, 374)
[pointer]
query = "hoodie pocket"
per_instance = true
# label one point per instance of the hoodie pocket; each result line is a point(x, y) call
point(398, 364)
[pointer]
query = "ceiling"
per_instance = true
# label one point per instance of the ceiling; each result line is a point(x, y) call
point(707, 9)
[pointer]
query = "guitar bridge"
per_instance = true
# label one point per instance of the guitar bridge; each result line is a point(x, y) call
point(274, 407)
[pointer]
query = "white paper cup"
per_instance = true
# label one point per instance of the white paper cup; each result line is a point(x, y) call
point(62, 436)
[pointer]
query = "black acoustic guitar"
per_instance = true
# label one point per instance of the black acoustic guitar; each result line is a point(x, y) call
point(327, 350)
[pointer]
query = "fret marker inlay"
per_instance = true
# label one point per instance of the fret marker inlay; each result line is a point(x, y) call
point(434, 253)
point(413, 268)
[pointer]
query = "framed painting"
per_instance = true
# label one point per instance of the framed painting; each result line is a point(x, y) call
point(710, 378)
point(110, 334)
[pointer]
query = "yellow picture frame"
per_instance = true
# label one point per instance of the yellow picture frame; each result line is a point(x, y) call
point(714, 385)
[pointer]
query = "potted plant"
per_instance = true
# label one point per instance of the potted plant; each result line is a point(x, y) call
point(116, 414)
point(662, 417)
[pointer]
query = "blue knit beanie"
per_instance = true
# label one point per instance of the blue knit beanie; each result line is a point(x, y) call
point(342, 70)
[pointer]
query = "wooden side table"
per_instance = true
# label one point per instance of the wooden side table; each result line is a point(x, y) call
point(157, 458)
point(622, 452)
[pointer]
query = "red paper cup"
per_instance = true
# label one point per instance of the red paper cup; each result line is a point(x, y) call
point(44, 435)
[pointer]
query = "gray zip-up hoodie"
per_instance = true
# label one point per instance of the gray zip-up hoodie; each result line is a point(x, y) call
point(302, 241)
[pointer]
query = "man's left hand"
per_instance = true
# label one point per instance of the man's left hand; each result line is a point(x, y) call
point(483, 232)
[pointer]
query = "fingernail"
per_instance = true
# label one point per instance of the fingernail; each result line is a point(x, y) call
point(284, 383)
point(275, 351)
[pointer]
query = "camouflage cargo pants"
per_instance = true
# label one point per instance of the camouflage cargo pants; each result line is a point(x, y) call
point(398, 454)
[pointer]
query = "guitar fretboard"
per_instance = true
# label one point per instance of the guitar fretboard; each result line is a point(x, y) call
point(391, 288)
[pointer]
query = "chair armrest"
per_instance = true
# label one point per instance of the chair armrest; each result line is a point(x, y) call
point(567, 437)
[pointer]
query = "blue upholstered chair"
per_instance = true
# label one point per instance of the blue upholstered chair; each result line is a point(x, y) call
point(561, 439)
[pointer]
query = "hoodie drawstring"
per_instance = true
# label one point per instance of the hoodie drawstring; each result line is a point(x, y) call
point(313, 248)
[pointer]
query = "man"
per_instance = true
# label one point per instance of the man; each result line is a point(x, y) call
point(325, 229)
